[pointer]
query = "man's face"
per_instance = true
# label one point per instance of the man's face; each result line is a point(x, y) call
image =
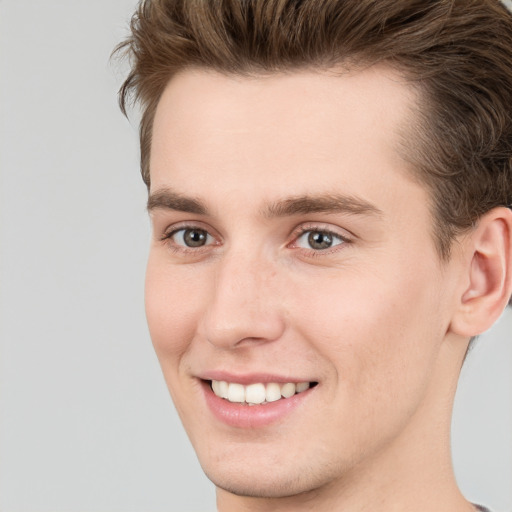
point(291, 245)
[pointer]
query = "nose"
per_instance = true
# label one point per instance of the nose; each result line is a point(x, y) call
point(245, 306)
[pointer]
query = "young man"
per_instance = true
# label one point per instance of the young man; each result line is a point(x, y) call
point(329, 186)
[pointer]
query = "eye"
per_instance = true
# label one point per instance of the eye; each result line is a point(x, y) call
point(318, 240)
point(191, 237)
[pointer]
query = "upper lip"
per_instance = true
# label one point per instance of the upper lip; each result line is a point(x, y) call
point(250, 378)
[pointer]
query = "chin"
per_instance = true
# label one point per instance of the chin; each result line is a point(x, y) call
point(264, 487)
point(264, 479)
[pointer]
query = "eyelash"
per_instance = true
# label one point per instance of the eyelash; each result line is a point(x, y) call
point(297, 234)
point(183, 249)
point(324, 231)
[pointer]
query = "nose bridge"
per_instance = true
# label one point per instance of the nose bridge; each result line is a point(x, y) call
point(244, 304)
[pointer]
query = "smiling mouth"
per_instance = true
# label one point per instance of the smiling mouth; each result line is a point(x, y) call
point(258, 393)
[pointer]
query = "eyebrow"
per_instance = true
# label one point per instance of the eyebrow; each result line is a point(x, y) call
point(296, 205)
point(324, 203)
point(169, 200)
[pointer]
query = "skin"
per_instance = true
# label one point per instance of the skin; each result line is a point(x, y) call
point(369, 319)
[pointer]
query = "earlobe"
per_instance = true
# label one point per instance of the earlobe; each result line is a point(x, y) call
point(488, 274)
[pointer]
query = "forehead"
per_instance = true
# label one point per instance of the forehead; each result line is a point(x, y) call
point(281, 131)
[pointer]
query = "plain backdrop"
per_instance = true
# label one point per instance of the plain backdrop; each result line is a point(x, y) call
point(86, 421)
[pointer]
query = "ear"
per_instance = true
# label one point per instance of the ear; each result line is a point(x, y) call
point(487, 274)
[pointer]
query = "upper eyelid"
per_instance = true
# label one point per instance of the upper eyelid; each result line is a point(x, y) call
point(184, 225)
point(320, 230)
point(342, 233)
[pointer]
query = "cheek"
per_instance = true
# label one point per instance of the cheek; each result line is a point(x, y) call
point(375, 328)
point(172, 303)
point(381, 350)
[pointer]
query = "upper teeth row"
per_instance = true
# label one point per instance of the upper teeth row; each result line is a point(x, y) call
point(256, 393)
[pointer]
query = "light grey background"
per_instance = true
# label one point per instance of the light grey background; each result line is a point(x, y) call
point(86, 422)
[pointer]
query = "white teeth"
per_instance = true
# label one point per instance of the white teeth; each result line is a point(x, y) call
point(288, 389)
point(273, 392)
point(216, 387)
point(302, 386)
point(236, 392)
point(223, 389)
point(257, 393)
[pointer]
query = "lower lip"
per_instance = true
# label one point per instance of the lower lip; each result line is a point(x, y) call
point(251, 416)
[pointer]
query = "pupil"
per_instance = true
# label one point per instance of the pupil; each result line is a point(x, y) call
point(194, 237)
point(318, 240)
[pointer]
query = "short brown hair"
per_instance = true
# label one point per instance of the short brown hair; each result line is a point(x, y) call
point(457, 53)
